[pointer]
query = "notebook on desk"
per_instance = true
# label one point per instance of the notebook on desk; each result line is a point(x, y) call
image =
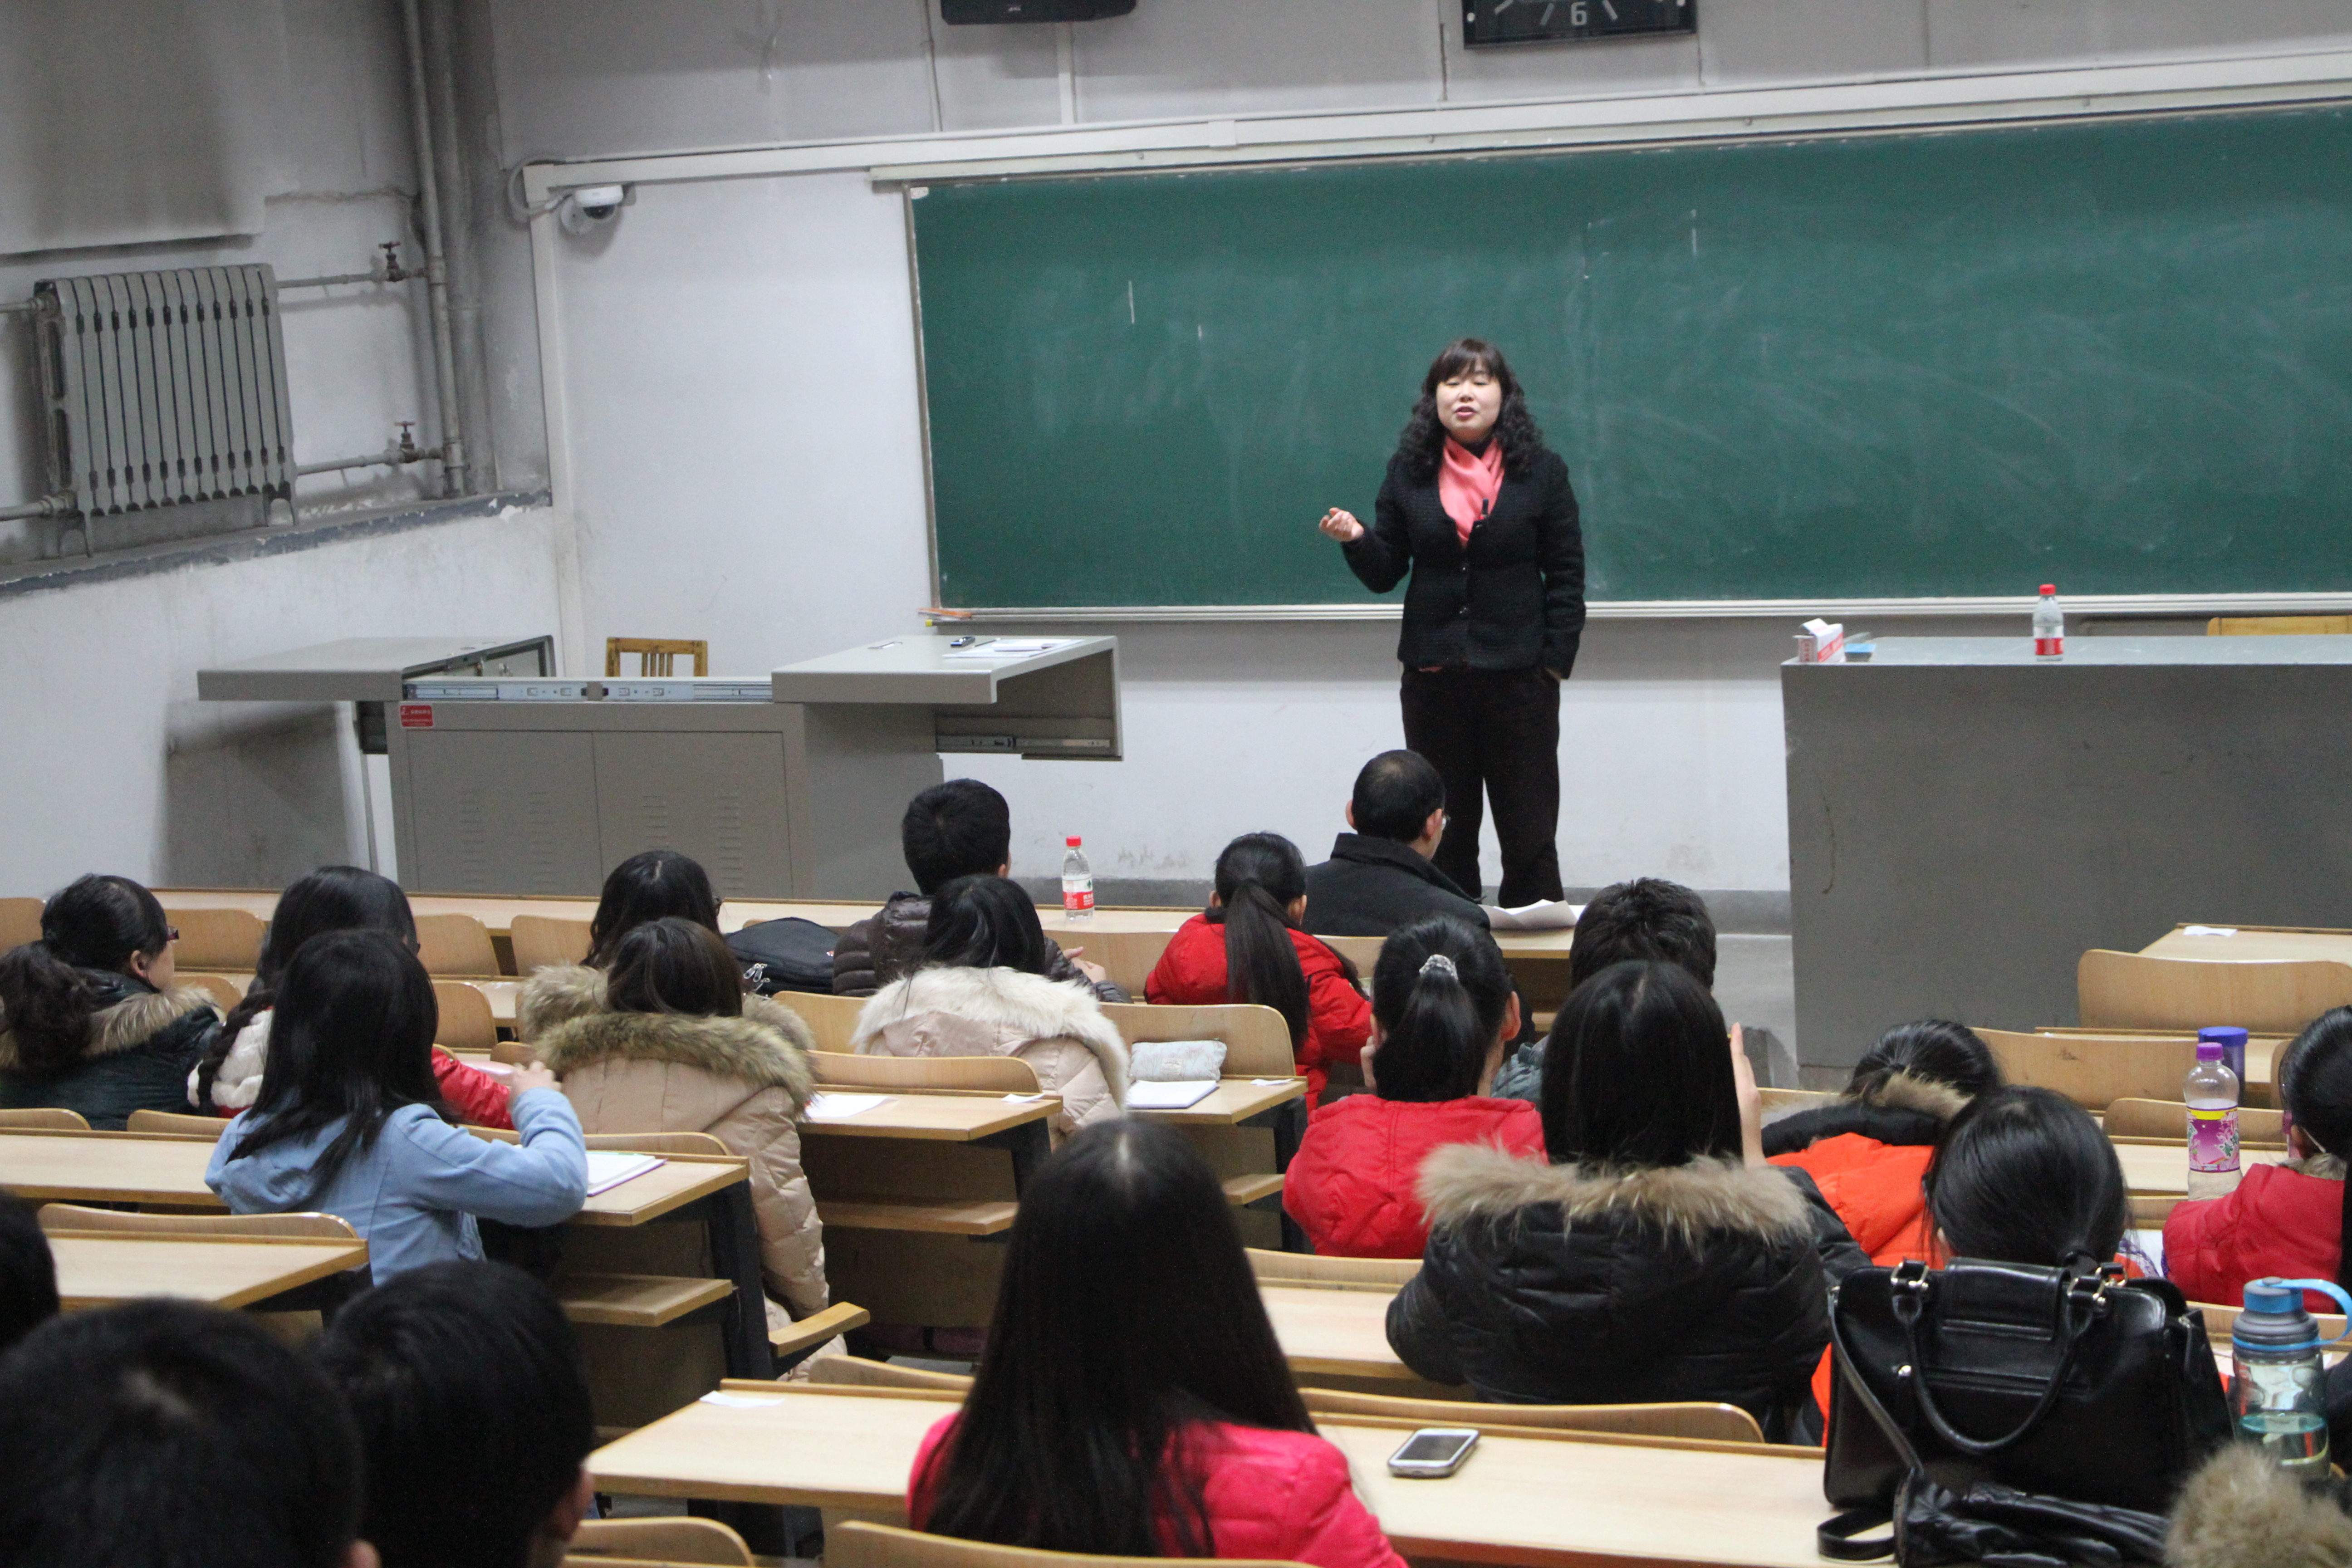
point(1179, 1095)
point(608, 1168)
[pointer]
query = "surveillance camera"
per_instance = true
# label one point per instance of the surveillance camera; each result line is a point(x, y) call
point(590, 206)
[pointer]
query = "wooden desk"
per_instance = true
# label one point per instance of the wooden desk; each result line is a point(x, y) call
point(2252, 943)
point(1335, 1331)
point(496, 913)
point(2161, 1169)
point(100, 1270)
point(955, 1116)
point(1569, 1499)
point(1234, 1102)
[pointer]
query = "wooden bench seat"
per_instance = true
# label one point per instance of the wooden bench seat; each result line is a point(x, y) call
point(636, 1301)
point(977, 1217)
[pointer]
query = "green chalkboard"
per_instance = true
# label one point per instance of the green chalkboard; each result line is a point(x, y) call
point(2115, 355)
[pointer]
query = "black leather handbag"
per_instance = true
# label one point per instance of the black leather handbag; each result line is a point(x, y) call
point(2081, 1386)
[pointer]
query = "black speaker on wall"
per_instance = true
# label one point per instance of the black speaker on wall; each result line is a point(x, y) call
point(962, 12)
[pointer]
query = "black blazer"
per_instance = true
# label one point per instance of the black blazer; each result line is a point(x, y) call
point(1514, 598)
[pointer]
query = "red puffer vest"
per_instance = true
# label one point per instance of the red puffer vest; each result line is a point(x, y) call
point(1351, 1185)
point(2278, 1221)
point(1191, 974)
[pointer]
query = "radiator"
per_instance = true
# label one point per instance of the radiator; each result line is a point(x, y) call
point(164, 387)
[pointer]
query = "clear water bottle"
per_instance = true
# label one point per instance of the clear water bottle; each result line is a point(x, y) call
point(2049, 624)
point(2212, 1091)
point(1078, 894)
point(2278, 1393)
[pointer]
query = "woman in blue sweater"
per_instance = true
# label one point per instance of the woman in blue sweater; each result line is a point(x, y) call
point(351, 1121)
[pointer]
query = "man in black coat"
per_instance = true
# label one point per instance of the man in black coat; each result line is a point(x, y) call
point(1380, 877)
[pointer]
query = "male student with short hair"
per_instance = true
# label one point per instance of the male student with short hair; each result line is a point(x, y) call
point(1380, 877)
point(959, 828)
point(166, 1434)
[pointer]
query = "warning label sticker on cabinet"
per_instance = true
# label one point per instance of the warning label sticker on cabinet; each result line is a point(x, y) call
point(416, 715)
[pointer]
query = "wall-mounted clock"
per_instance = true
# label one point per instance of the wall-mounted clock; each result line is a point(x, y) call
point(1545, 21)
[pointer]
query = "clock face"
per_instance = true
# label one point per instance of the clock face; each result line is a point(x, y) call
point(1539, 21)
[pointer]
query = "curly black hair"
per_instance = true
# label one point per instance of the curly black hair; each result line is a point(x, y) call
point(1423, 440)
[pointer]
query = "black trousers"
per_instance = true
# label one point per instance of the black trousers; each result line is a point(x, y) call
point(1493, 734)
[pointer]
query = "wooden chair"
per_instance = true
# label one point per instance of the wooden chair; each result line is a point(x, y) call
point(1788, 1099)
point(859, 1544)
point(544, 941)
point(1257, 1042)
point(833, 1019)
point(1129, 957)
point(656, 655)
point(1363, 951)
point(2095, 1070)
point(2168, 1119)
point(42, 1119)
point(805, 1334)
point(2278, 626)
point(466, 1022)
point(217, 940)
point(1305, 1268)
point(857, 1372)
point(1716, 1422)
point(176, 1125)
point(20, 922)
point(73, 1219)
point(666, 1540)
point(226, 993)
point(455, 945)
point(1005, 1075)
point(2267, 996)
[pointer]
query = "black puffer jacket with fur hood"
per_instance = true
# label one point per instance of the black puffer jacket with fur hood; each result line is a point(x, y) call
point(1578, 1285)
point(142, 1043)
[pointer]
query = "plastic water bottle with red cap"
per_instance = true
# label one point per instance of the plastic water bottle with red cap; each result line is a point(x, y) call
point(1078, 883)
point(2212, 1091)
point(2049, 624)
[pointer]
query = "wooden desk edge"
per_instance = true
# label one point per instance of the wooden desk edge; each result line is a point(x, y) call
point(347, 1254)
point(717, 1180)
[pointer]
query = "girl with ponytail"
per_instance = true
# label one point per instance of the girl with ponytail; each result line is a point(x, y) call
point(90, 1020)
point(2288, 1220)
point(2025, 1175)
point(1443, 1007)
point(1248, 946)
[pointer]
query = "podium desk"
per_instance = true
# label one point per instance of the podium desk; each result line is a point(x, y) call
point(510, 778)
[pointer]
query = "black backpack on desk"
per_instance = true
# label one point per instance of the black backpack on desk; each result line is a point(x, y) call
point(789, 954)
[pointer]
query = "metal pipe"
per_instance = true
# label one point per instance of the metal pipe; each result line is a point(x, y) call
point(48, 506)
point(19, 306)
point(472, 375)
point(328, 282)
point(436, 264)
point(391, 458)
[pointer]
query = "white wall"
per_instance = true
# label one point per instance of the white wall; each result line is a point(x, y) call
point(741, 378)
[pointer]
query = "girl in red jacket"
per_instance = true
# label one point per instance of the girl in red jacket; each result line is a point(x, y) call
point(1247, 947)
point(1132, 1400)
point(2285, 1220)
point(1442, 1009)
point(1868, 1150)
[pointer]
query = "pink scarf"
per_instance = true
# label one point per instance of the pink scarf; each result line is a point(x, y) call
point(1468, 483)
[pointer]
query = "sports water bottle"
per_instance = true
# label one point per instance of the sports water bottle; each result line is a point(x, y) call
point(2278, 1393)
point(2233, 1047)
point(2212, 1091)
point(1078, 887)
point(2049, 624)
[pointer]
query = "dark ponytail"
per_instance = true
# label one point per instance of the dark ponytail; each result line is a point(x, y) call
point(1439, 991)
point(2314, 1089)
point(96, 923)
point(1934, 1050)
point(2025, 1175)
point(1259, 877)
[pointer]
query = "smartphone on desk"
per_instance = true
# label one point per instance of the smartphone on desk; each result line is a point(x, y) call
point(1432, 1451)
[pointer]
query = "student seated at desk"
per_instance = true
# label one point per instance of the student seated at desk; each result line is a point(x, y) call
point(332, 898)
point(2287, 1220)
point(2023, 1176)
point(1442, 1009)
point(28, 1273)
point(673, 1045)
point(89, 1018)
point(659, 884)
point(1248, 947)
point(349, 1119)
point(1132, 1400)
point(1646, 918)
point(472, 1404)
point(959, 828)
point(163, 1432)
point(1380, 878)
point(983, 990)
point(1657, 1257)
point(1869, 1150)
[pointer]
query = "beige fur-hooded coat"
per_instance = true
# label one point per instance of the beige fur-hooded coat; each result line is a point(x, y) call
point(743, 1081)
point(1057, 1027)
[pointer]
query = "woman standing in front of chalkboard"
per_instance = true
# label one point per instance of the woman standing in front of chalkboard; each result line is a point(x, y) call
point(1481, 513)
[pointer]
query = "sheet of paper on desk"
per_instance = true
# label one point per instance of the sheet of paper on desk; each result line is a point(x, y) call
point(608, 1168)
point(842, 1106)
point(1009, 648)
point(1180, 1094)
point(2208, 931)
point(737, 1400)
point(1558, 914)
point(1024, 1099)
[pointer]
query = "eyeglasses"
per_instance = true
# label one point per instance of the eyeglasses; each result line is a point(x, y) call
point(171, 933)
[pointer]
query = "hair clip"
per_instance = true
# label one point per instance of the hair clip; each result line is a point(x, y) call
point(1442, 964)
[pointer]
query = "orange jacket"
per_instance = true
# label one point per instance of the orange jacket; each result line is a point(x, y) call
point(1875, 1189)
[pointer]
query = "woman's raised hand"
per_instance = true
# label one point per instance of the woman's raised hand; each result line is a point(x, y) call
point(1751, 1103)
point(1341, 526)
